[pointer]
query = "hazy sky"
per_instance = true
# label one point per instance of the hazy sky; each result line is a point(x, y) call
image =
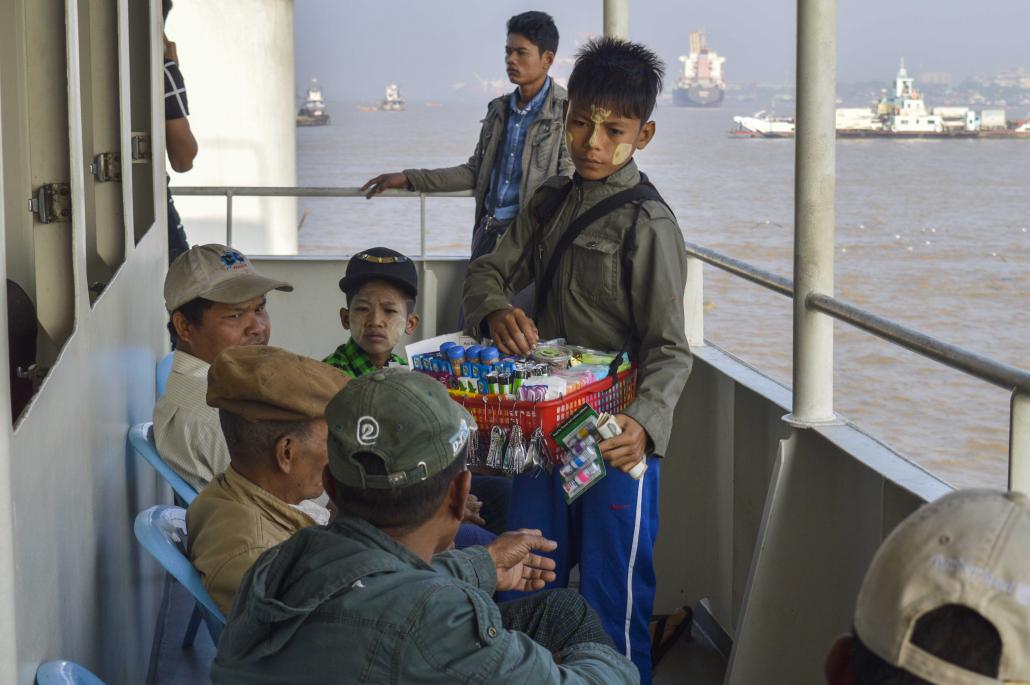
point(356, 47)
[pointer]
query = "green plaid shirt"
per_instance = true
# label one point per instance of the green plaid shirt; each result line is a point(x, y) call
point(354, 361)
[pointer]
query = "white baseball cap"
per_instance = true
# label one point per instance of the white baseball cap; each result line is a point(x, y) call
point(970, 548)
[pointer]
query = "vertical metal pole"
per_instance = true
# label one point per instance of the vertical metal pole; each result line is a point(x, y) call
point(814, 186)
point(1019, 443)
point(228, 218)
point(422, 224)
point(694, 302)
point(616, 19)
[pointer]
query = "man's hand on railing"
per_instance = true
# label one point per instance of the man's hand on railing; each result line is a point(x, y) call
point(384, 181)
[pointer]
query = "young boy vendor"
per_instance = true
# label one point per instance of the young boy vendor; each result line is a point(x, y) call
point(616, 283)
point(381, 286)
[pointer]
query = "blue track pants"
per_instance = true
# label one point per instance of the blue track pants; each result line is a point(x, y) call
point(610, 532)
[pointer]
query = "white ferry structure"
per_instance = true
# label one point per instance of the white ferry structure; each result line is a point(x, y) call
point(772, 504)
point(901, 113)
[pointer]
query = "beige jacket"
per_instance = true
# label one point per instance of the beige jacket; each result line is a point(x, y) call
point(229, 525)
point(186, 430)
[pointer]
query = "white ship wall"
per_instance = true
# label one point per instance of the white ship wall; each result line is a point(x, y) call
point(236, 58)
point(74, 583)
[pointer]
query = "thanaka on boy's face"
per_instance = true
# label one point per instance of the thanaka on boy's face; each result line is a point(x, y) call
point(377, 317)
point(601, 142)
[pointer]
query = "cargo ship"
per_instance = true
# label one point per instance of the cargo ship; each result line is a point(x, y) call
point(701, 84)
point(313, 111)
point(901, 113)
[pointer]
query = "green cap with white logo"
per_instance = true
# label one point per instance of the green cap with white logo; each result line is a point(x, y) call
point(405, 418)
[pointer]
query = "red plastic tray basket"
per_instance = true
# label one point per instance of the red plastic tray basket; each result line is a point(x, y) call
point(602, 395)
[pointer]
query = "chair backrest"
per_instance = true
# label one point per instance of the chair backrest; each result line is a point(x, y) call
point(164, 369)
point(65, 673)
point(161, 530)
point(142, 440)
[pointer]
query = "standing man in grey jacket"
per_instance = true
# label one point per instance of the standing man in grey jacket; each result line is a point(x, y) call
point(521, 143)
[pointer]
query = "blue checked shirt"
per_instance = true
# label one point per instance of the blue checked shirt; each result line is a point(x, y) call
point(503, 199)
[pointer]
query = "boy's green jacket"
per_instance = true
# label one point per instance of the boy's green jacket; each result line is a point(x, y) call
point(592, 301)
point(348, 604)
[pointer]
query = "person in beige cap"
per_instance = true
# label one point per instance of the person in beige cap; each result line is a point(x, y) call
point(271, 404)
point(215, 300)
point(946, 599)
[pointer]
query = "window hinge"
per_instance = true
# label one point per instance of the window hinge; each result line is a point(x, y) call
point(107, 166)
point(52, 203)
point(140, 147)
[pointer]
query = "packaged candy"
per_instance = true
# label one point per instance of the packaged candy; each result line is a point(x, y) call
point(455, 358)
point(555, 356)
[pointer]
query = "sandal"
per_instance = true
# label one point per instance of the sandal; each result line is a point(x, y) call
point(661, 642)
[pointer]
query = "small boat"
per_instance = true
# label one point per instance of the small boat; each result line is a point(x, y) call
point(393, 101)
point(313, 112)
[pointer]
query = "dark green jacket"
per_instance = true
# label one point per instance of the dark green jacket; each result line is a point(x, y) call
point(592, 301)
point(348, 604)
point(546, 155)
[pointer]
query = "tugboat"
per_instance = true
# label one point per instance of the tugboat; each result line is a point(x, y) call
point(701, 84)
point(313, 112)
point(393, 102)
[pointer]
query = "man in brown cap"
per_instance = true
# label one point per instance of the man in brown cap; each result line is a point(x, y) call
point(946, 599)
point(215, 300)
point(271, 404)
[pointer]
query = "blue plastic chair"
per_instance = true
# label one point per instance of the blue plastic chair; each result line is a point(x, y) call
point(164, 370)
point(65, 673)
point(162, 532)
point(142, 440)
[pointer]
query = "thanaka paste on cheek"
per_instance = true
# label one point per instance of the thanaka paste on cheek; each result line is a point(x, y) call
point(622, 153)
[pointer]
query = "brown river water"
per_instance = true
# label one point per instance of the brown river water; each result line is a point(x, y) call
point(934, 234)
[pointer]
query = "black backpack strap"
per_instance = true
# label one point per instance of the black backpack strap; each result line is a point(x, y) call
point(639, 193)
point(545, 202)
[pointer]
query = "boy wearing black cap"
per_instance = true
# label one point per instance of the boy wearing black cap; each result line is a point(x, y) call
point(381, 285)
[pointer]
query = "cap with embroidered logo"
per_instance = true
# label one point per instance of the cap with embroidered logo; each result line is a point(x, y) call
point(380, 264)
point(405, 418)
point(217, 273)
point(970, 548)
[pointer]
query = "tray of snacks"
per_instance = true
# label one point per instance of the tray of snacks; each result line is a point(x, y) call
point(518, 402)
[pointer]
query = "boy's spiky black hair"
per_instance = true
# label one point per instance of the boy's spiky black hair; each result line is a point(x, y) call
point(617, 74)
point(538, 28)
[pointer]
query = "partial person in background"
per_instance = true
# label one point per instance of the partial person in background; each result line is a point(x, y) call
point(946, 599)
point(179, 141)
point(215, 300)
point(521, 144)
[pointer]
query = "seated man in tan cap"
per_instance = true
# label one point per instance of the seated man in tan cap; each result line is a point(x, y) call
point(215, 300)
point(271, 404)
point(946, 599)
point(378, 597)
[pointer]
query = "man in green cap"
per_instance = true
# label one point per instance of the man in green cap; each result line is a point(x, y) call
point(378, 596)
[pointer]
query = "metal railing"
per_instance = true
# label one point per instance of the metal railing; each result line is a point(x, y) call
point(1013, 379)
point(229, 192)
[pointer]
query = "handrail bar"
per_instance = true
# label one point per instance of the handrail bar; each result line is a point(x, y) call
point(749, 272)
point(305, 191)
point(986, 369)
